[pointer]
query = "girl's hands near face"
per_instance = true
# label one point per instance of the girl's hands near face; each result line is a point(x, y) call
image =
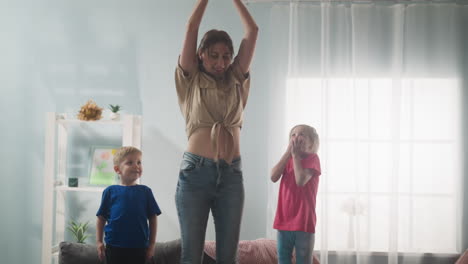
point(297, 146)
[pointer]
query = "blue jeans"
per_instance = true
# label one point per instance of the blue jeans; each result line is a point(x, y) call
point(302, 241)
point(205, 185)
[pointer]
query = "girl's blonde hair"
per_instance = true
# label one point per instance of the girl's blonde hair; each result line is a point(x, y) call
point(122, 152)
point(311, 133)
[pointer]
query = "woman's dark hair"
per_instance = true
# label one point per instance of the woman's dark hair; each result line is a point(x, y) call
point(212, 37)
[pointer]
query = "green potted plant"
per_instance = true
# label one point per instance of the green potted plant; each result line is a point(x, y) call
point(79, 230)
point(115, 115)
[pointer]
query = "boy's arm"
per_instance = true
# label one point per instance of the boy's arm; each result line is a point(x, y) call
point(153, 227)
point(278, 169)
point(100, 222)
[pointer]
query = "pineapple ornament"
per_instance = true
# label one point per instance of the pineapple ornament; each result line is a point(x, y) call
point(114, 115)
point(90, 111)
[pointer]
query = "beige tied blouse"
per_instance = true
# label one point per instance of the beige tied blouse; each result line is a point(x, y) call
point(207, 102)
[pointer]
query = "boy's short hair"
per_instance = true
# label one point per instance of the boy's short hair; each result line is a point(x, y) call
point(122, 152)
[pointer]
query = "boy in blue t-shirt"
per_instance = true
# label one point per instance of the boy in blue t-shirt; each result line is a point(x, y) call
point(130, 211)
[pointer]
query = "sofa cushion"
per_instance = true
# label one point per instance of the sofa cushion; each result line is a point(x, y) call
point(463, 259)
point(77, 253)
point(259, 251)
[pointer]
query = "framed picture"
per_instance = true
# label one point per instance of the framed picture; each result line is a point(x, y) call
point(102, 166)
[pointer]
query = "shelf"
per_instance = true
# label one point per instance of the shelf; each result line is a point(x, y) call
point(56, 168)
point(99, 122)
point(80, 189)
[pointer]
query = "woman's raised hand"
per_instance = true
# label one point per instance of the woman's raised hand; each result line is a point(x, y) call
point(188, 56)
point(297, 146)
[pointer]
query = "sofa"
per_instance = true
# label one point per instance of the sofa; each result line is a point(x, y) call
point(260, 251)
point(78, 253)
point(463, 259)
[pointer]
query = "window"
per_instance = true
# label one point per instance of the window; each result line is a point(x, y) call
point(391, 161)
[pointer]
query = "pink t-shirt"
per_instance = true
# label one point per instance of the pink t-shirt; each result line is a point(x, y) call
point(296, 204)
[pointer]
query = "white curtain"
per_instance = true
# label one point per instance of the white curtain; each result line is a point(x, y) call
point(381, 82)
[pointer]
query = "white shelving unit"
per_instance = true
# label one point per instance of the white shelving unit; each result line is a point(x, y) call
point(55, 173)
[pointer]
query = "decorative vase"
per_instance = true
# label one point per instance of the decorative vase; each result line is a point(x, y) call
point(114, 116)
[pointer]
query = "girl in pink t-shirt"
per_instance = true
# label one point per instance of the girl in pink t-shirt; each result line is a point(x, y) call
point(299, 170)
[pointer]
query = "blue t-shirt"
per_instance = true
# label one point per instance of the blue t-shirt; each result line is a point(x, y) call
point(127, 210)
